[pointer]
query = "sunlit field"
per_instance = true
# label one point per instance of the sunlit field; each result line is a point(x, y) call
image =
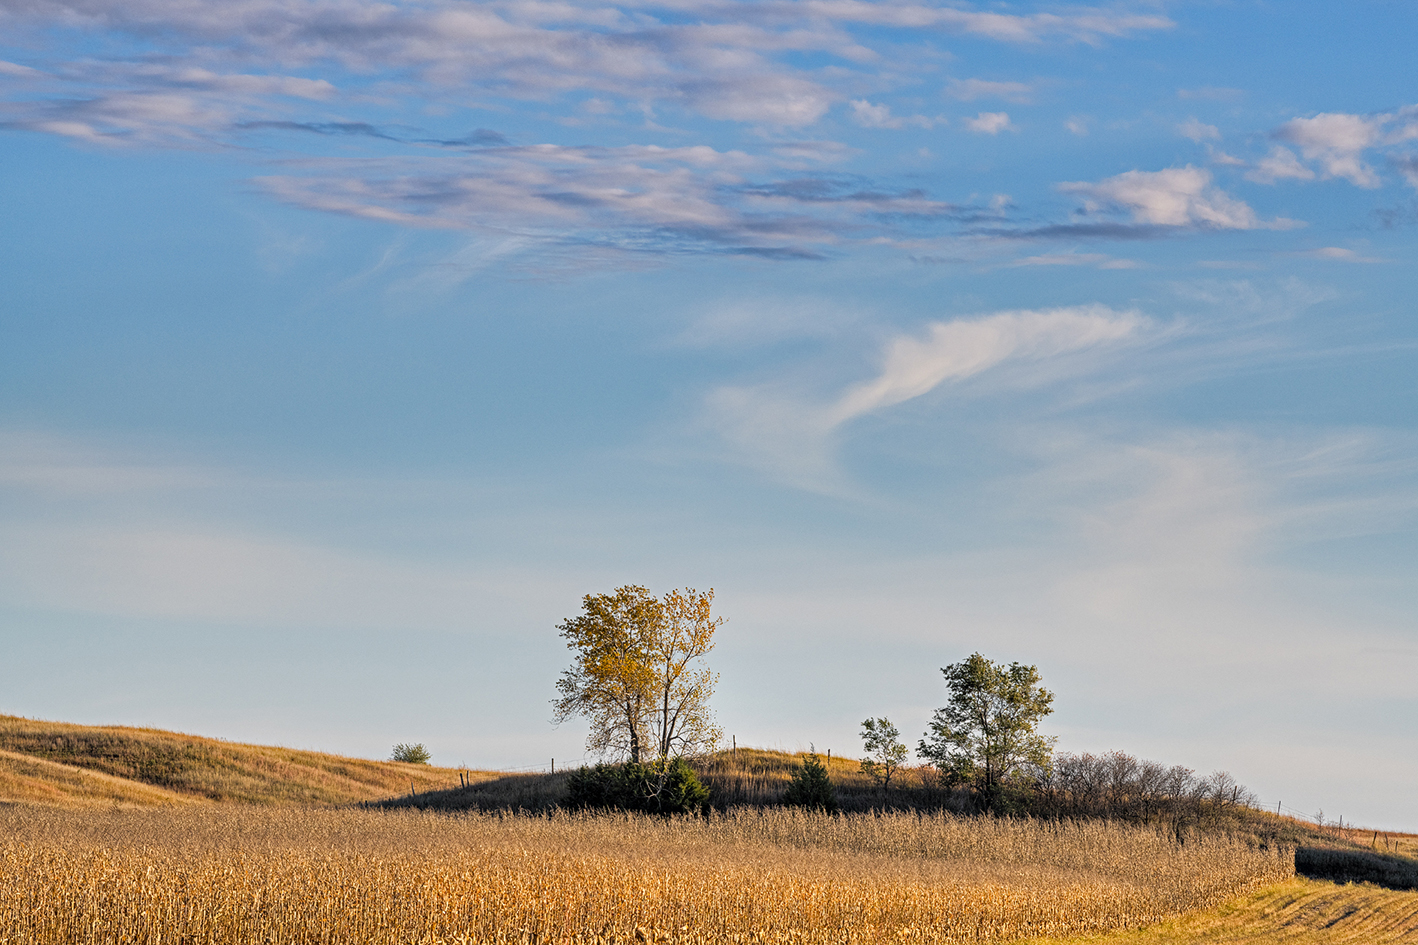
point(238, 875)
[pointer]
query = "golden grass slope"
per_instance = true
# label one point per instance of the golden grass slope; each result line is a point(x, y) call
point(77, 765)
point(225, 874)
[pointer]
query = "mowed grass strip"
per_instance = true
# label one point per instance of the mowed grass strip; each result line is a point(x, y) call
point(270, 875)
point(1296, 911)
point(37, 781)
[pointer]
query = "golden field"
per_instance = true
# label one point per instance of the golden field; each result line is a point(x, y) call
point(117, 834)
point(258, 875)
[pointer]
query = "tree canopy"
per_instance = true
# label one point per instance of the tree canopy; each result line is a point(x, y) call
point(638, 675)
point(988, 730)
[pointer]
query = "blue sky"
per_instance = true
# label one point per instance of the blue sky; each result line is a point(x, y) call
point(347, 344)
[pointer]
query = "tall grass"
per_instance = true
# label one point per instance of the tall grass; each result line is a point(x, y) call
point(277, 875)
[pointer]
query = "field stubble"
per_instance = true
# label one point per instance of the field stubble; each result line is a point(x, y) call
point(213, 875)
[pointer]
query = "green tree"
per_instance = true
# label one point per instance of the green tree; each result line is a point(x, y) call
point(413, 754)
point(885, 753)
point(811, 787)
point(987, 732)
point(638, 675)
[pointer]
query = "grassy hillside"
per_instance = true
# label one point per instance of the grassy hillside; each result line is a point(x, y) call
point(83, 765)
point(749, 776)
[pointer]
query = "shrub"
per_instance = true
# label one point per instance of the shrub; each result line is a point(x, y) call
point(811, 787)
point(682, 790)
point(665, 788)
point(413, 754)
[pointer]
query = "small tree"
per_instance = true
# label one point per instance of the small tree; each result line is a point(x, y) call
point(413, 754)
point(987, 732)
point(811, 787)
point(885, 753)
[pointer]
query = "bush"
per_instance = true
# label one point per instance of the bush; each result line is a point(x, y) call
point(413, 754)
point(667, 788)
point(810, 786)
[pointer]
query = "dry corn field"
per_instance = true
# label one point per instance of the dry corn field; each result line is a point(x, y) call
point(253, 875)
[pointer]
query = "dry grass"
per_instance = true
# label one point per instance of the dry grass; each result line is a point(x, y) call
point(78, 765)
point(234, 875)
point(1299, 911)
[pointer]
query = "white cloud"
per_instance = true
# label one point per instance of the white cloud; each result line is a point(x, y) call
point(989, 123)
point(1336, 145)
point(967, 90)
point(1177, 196)
point(1077, 125)
point(1336, 142)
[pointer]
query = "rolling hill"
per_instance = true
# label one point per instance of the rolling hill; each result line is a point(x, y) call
point(82, 765)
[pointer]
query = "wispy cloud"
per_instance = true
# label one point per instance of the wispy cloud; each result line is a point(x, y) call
point(792, 437)
point(1339, 254)
point(345, 102)
point(1211, 93)
point(721, 59)
point(1198, 131)
point(1100, 260)
point(968, 90)
point(641, 199)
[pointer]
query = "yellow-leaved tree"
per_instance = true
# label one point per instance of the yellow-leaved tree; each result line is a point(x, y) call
point(638, 674)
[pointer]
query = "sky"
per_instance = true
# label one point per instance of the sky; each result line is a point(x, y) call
point(345, 345)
